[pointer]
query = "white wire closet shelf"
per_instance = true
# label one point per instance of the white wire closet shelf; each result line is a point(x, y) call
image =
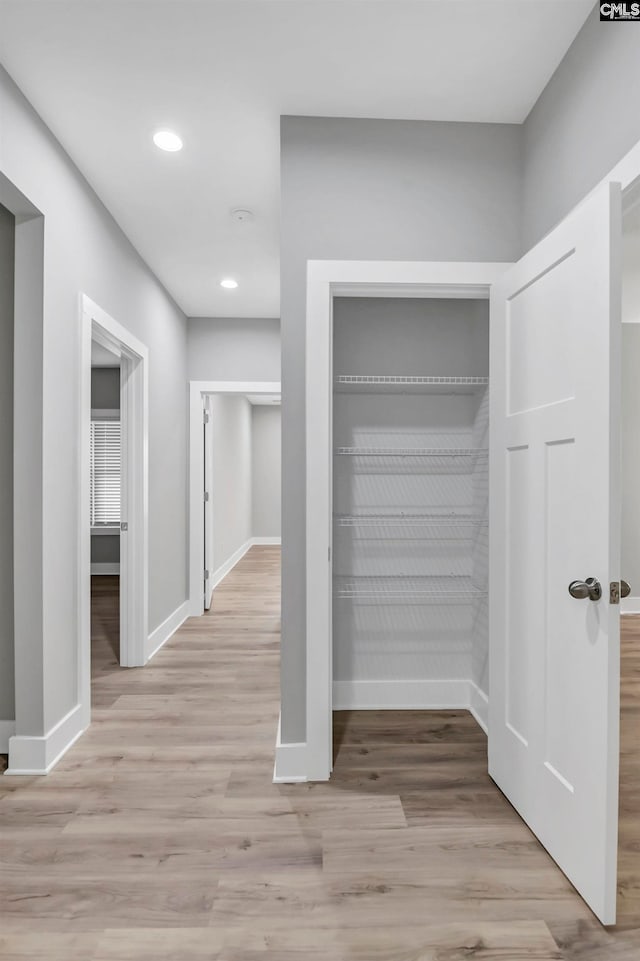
point(399, 588)
point(408, 383)
point(439, 452)
point(415, 460)
point(404, 520)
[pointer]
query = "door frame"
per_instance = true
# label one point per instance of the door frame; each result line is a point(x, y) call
point(198, 390)
point(97, 325)
point(327, 279)
point(208, 481)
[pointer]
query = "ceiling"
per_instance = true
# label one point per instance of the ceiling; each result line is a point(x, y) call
point(105, 74)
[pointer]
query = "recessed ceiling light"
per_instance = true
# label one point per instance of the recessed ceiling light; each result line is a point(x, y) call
point(167, 140)
point(229, 283)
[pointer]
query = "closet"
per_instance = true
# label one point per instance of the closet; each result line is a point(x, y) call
point(410, 503)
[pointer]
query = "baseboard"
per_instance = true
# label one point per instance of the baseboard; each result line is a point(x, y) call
point(7, 730)
point(37, 755)
point(167, 629)
point(400, 695)
point(291, 762)
point(479, 706)
point(105, 567)
point(220, 574)
point(257, 541)
point(630, 605)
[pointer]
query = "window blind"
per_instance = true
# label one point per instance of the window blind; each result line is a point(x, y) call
point(105, 472)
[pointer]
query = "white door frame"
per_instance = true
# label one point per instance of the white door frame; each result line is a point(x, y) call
point(134, 554)
point(327, 279)
point(198, 389)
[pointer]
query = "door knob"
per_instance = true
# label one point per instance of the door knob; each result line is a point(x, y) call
point(625, 589)
point(590, 588)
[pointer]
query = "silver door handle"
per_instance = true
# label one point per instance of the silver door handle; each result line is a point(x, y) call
point(590, 588)
point(625, 589)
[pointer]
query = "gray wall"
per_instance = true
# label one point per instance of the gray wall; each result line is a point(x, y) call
point(231, 439)
point(7, 247)
point(630, 553)
point(630, 566)
point(85, 251)
point(265, 470)
point(585, 120)
point(105, 388)
point(233, 349)
point(105, 549)
point(373, 189)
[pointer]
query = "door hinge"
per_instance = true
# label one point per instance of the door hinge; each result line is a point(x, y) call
point(205, 417)
point(206, 496)
point(206, 575)
point(614, 592)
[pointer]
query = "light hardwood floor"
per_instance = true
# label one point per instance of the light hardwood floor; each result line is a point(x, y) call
point(160, 836)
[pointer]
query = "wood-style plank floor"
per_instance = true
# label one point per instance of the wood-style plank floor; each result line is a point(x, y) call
point(160, 836)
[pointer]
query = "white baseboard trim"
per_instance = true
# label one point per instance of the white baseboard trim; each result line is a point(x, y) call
point(291, 762)
point(7, 730)
point(196, 606)
point(37, 755)
point(479, 706)
point(630, 605)
point(400, 695)
point(167, 629)
point(220, 574)
point(105, 567)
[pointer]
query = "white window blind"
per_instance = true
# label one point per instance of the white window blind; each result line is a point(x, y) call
point(105, 472)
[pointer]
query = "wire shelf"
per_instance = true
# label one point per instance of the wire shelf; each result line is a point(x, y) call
point(404, 452)
point(363, 383)
point(410, 521)
point(429, 589)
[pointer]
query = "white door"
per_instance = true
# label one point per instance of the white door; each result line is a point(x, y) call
point(555, 519)
point(208, 506)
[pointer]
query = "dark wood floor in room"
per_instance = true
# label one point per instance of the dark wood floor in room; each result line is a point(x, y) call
point(160, 836)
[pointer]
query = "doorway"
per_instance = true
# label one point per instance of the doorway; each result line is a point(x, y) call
point(113, 506)
point(553, 668)
point(105, 510)
point(234, 479)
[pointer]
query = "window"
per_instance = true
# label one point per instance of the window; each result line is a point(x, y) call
point(105, 473)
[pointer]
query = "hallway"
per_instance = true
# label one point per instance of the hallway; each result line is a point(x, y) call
point(160, 836)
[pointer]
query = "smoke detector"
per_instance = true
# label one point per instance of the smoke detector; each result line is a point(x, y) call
point(241, 215)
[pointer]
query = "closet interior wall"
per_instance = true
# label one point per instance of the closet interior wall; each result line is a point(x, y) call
point(410, 501)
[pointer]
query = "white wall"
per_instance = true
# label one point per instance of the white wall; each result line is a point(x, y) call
point(233, 349)
point(265, 472)
point(7, 241)
point(231, 439)
point(86, 252)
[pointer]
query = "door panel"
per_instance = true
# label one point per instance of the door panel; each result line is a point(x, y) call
point(555, 518)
